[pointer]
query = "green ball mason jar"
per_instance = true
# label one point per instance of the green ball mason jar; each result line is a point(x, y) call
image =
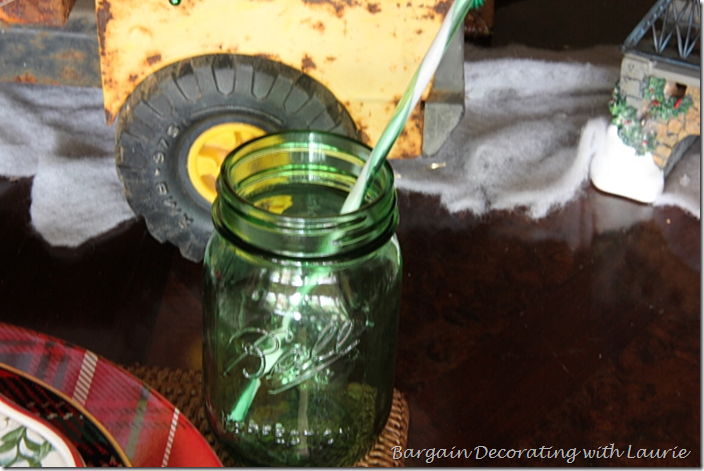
point(300, 303)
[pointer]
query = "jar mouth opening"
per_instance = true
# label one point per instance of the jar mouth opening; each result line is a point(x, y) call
point(252, 173)
point(284, 191)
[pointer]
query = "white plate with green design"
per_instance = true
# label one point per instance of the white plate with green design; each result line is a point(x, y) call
point(28, 441)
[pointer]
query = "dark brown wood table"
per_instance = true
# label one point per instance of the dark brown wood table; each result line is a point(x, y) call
point(540, 338)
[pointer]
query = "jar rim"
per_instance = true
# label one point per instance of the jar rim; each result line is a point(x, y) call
point(339, 159)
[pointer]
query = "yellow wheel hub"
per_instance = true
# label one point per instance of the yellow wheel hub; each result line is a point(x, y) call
point(210, 149)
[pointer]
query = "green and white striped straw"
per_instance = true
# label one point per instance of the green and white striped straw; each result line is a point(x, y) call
point(453, 20)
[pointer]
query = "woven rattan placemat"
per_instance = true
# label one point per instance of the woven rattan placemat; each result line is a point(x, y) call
point(184, 390)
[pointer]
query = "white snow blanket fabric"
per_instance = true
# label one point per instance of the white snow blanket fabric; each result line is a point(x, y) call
point(534, 121)
point(59, 136)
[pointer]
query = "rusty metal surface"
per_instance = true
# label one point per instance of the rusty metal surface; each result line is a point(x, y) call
point(364, 51)
point(66, 55)
point(37, 12)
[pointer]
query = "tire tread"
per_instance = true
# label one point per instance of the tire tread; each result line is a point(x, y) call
point(164, 107)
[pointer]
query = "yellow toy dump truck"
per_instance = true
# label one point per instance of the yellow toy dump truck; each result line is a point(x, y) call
point(187, 81)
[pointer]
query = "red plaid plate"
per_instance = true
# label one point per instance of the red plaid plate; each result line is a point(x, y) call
point(95, 445)
point(147, 428)
point(29, 440)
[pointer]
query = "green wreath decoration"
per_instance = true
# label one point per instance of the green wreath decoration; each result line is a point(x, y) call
point(630, 124)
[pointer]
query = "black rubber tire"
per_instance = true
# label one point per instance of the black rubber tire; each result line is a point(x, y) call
point(169, 109)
